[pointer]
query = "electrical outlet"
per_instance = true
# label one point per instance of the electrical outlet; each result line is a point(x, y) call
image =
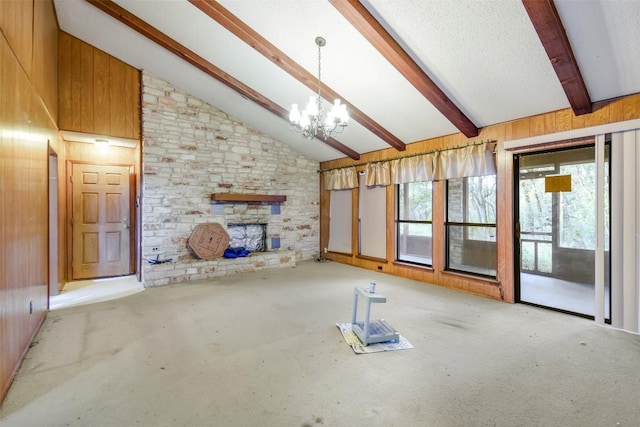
point(325, 250)
point(380, 267)
point(154, 249)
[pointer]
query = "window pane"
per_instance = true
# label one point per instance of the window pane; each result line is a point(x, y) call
point(455, 197)
point(481, 199)
point(472, 199)
point(482, 233)
point(545, 257)
point(528, 256)
point(415, 243)
point(414, 240)
point(535, 206)
point(470, 248)
point(415, 201)
point(473, 256)
point(578, 207)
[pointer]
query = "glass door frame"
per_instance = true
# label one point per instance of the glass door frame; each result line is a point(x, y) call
point(589, 142)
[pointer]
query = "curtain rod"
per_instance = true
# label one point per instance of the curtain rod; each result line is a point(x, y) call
point(437, 150)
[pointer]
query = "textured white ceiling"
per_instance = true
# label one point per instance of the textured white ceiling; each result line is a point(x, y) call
point(484, 54)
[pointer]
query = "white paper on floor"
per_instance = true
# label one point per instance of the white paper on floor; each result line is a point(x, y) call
point(352, 340)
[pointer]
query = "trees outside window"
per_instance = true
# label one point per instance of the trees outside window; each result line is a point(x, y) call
point(414, 233)
point(471, 225)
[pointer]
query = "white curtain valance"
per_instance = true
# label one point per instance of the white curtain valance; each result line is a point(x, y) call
point(413, 169)
point(472, 160)
point(341, 179)
point(377, 174)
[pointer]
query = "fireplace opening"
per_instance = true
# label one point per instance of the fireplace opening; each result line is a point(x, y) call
point(253, 237)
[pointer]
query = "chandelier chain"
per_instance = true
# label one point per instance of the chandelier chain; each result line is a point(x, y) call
point(319, 73)
point(312, 122)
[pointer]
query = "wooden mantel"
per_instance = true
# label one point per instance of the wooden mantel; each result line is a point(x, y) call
point(247, 198)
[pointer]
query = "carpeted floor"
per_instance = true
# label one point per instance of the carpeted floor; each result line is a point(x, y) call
point(262, 349)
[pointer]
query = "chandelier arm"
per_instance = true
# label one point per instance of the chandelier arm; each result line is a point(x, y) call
point(313, 123)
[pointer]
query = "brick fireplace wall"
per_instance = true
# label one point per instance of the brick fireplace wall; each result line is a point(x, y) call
point(191, 150)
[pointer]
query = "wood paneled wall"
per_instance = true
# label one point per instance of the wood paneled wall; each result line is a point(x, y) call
point(45, 55)
point(16, 17)
point(502, 288)
point(98, 93)
point(27, 114)
point(31, 30)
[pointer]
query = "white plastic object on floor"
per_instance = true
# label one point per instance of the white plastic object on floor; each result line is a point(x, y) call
point(371, 332)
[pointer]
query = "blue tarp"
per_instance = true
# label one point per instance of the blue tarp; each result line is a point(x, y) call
point(236, 252)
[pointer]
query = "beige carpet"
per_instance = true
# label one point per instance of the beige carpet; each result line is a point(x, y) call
point(262, 350)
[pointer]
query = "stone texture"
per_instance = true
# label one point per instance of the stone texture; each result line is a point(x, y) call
point(190, 150)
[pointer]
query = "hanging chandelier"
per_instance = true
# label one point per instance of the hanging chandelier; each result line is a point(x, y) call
point(312, 121)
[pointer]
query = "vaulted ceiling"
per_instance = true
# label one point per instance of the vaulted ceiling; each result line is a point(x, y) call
point(408, 70)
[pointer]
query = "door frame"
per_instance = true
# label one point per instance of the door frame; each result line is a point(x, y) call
point(133, 230)
point(584, 141)
point(54, 229)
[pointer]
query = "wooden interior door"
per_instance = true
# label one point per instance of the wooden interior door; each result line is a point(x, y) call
point(100, 221)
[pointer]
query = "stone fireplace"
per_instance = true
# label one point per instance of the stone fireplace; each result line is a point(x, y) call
point(201, 166)
point(252, 237)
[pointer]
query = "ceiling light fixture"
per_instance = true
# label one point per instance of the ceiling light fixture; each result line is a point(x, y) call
point(311, 120)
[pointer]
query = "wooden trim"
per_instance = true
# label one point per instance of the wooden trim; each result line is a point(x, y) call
point(379, 38)
point(412, 265)
point(372, 258)
point(523, 144)
point(245, 33)
point(470, 276)
point(133, 220)
point(547, 23)
point(621, 113)
point(250, 198)
point(339, 253)
point(158, 37)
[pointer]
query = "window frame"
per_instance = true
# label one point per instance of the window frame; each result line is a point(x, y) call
point(465, 224)
point(399, 222)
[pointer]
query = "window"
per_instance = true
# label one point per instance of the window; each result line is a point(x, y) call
point(536, 213)
point(471, 225)
point(414, 235)
point(577, 207)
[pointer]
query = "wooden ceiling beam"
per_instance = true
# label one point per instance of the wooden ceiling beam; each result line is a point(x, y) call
point(546, 21)
point(245, 33)
point(377, 35)
point(153, 34)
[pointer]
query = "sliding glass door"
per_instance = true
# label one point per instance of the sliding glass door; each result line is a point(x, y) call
point(556, 223)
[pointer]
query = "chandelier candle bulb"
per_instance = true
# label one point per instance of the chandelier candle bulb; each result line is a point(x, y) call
point(294, 115)
point(312, 122)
